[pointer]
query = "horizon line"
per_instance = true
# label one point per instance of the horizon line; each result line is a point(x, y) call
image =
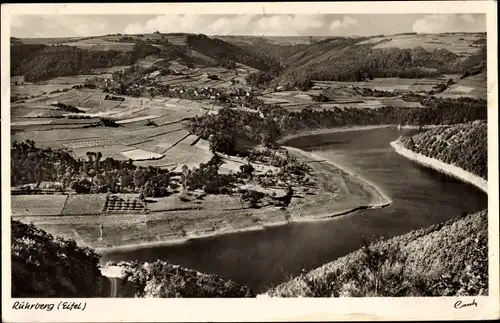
point(257, 36)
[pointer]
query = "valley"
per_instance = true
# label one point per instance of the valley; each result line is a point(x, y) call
point(139, 145)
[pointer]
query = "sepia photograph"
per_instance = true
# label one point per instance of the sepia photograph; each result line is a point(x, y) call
point(266, 155)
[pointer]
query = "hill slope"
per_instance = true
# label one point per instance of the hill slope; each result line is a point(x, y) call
point(41, 62)
point(446, 259)
point(43, 59)
point(220, 49)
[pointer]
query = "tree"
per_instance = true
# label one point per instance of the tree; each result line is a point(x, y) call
point(247, 170)
point(185, 176)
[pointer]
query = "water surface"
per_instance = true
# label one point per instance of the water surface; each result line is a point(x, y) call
point(261, 259)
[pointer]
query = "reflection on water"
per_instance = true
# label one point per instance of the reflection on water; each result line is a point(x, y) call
point(260, 259)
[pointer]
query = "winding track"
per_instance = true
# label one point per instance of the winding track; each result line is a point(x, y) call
point(113, 291)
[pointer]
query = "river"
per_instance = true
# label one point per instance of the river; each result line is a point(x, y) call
point(261, 259)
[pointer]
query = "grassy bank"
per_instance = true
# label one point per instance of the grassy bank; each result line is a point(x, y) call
point(445, 259)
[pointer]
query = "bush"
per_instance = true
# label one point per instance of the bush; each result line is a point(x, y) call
point(253, 197)
point(447, 259)
point(164, 280)
point(48, 266)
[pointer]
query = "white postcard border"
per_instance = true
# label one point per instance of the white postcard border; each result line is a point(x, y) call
point(262, 309)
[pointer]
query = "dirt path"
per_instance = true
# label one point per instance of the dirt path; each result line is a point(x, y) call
point(113, 283)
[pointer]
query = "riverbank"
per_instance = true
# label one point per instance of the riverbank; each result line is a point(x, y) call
point(442, 167)
point(360, 195)
point(338, 192)
point(380, 198)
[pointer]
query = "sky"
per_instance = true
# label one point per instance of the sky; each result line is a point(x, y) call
point(257, 25)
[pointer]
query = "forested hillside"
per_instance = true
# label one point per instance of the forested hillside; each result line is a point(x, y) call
point(447, 259)
point(161, 279)
point(463, 145)
point(273, 122)
point(40, 62)
point(220, 49)
point(280, 51)
point(48, 266)
point(347, 59)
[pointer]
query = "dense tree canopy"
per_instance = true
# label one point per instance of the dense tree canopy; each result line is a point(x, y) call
point(40, 62)
point(30, 164)
point(270, 122)
point(217, 48)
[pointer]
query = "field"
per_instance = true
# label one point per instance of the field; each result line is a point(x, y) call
point(37, 120)
point(99, 44)
point(457, 43)
point(124, 203)
point(139, 154)
point(37, 205)
point(471, 86)
point(84, 204)
point(350, 97)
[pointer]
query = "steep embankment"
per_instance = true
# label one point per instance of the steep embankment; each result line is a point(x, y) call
point(446, 259)
point(459, 150)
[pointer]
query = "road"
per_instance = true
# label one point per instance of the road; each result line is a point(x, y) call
point(113, 283)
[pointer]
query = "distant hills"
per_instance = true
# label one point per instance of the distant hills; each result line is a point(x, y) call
point(359, 59)
point(289, 60)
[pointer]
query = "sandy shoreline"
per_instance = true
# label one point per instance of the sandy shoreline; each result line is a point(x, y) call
point(442, 167)
point(383, 198)
point(170, 242)
point(380, 201)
